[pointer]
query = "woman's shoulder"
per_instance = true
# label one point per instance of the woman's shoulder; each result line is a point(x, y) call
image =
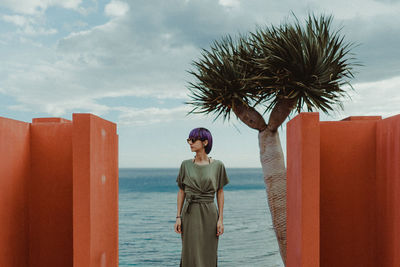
point(186, 161)
point(217, 161)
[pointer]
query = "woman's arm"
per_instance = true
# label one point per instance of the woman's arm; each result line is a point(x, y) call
point(180, 199)
point(220, 201)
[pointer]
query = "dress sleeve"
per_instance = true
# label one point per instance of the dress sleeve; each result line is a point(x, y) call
point(181, 175)
point(223, 177)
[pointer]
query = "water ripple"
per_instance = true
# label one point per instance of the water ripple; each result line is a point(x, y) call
point(147, 238)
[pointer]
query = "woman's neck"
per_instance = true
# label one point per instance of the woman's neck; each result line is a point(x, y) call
point(201, 158)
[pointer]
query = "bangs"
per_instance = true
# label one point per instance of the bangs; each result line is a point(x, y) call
point(197, 133)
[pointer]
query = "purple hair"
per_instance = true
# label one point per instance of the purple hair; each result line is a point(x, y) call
point(202, 134)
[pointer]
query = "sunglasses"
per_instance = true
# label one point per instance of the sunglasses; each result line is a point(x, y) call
point(193, 140)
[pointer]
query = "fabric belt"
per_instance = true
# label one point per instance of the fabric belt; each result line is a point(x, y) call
point(197, 199)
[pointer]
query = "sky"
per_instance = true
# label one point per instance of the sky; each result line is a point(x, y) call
point(128, 62)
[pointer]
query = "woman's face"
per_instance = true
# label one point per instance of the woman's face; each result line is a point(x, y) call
point(198, 145)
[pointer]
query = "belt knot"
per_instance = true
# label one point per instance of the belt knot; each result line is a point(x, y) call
point(204, 198)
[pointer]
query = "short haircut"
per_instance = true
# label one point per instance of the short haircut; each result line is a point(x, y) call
point(203, 134)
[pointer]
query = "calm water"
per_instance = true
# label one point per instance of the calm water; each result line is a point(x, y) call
point(147, 210)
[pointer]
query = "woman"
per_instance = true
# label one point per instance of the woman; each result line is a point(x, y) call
point(199, 222)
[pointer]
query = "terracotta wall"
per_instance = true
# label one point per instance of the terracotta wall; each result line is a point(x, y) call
point(14, 176)
point(95, 153)
point(50, 194)
point(348, 219)
point(358, 164)
point(388, 191)
point(50, 182)
point(303, 185)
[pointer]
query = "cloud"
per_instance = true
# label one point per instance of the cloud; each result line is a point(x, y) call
point(388, 1)
point(357, 9)
point(116, 8)
point(229, 3)
point(58, 109)
point(380, 98)
point(146, 47)
point(377, 49)
point(38, 6)
point(28, 25)
point(17, 20)
point(151, 115)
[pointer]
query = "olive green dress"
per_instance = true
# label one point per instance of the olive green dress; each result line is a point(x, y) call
point(199, 212)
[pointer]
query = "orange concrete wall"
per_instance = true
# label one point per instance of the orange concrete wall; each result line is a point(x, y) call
point(303, 172)
point(347, 226)
point(359, 164)
point(95, 186)
point(50, 201)
point(14, 175)
point(59, 186)
point(388, 191)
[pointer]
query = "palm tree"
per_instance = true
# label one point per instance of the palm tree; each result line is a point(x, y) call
point(281, 69)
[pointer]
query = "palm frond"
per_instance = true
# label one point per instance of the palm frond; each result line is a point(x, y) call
point(222, 76)
point(309, 63)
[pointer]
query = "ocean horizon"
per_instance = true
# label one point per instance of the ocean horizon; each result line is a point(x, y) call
point(147, 210)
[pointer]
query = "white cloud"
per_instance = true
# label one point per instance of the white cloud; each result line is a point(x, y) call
point(38, 6)
point(379, 98)
point(151, 115)
point(147, 51)
point(63, 107)
point(229, 3)
point(360, 9)
point(32, 30)
point(116, 8)
point(28, 25)
point(16, 19)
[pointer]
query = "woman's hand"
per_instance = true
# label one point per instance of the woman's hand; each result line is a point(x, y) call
point(178, 226)
point(220, 227)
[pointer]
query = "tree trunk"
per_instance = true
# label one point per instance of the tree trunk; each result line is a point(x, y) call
point(274, 170)
point(272, 162)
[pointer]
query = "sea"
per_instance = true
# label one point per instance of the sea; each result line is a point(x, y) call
point(147, 210)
